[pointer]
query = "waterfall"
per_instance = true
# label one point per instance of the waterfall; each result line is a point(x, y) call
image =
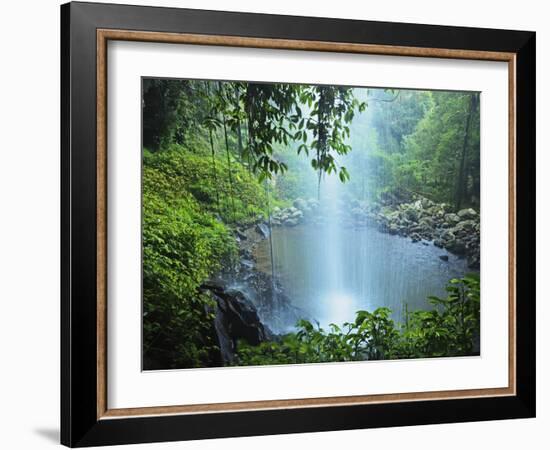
point(329, 266)
point(274, 297)
point(336, 302)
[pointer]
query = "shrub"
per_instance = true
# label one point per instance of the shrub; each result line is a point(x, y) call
point(449, 330)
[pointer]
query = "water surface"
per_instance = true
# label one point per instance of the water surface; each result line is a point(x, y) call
point(330, 272)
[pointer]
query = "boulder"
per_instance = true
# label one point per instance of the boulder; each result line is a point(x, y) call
point(452, 219)
point(236, 318)
point(426, 222)
point(447, 235)
point(291, 222)
point(415, 237)
point(439, 243)
point(467, 213)
point(240, 235)
point(300, 203)
point(427, 203)
point(444, 257)
point(468, 225)
point(263, 229)
point(247, 264)
point(297, 214)
point(455, 246)
point(412, 213)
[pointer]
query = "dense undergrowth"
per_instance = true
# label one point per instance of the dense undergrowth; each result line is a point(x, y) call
point(185, 240)
point(448, 330)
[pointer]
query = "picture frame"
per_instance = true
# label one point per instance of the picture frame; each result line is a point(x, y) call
point(86, 29)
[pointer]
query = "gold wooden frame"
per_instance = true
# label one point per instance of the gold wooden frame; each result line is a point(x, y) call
point(103, 36)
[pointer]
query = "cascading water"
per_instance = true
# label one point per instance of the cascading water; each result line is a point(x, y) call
point(334, 297)
point(329, 268)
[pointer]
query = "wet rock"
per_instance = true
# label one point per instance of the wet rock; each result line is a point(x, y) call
point(247, 264)
point(447, 235)
point(467, 213)
point(297, 214)
point(444, 257)
point(452, 219)
point(300, 203)
point(241, 235)
point(263, 229)
point(427, 221)
point(467, 225)
point(456, 246)
point(427, 203)
point(291, 222)
point(412, 214)
point(415, 237)
point(236, 318)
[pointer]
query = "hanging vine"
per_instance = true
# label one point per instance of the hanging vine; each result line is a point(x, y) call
point(222, 105)
point(332, 109)
point(210, 125)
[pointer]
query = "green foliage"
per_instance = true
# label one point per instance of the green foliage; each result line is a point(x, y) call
point(172, 109)
point(183, 244)
point(332, 110)
point(417, 142)
point(449, 330)
point(239, 199)
point(396, 116)
point(268, 114)
point(299, 181)
point(432, 165)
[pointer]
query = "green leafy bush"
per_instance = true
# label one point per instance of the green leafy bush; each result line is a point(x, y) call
point(182, 246)
point(236, 199)
point(449, 330)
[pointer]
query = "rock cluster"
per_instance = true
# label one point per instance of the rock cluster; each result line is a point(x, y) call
point(300, 211)
point(236, 318)
point(418, 218)
point(424, 220)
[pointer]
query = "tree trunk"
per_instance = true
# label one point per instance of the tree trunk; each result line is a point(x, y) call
point(213, 158)
point(239, 131)
point(461, 171)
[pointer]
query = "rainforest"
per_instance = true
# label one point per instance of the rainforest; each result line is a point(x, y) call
point(288, 223)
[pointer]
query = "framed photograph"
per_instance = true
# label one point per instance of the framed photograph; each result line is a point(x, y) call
point(277, 224)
